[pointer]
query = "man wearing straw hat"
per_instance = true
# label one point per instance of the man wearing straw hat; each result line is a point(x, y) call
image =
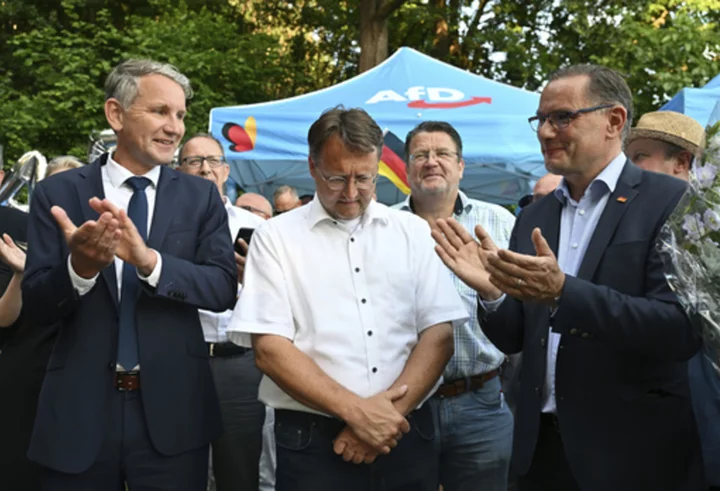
point(666, 142)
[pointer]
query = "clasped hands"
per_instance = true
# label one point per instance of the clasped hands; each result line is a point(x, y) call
point(492, 272)
point(375, 427)
point(94, 244)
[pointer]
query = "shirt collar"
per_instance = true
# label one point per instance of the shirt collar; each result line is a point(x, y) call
point(462, 204)
point(317, 213)
point(606, 181)
point(119, 174)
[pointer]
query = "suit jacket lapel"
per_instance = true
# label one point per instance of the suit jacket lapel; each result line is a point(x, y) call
point(89, 186)
point(164, 205)
point(618, 202)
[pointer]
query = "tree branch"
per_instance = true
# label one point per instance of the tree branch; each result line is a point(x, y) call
point(475, 23)
point(388, 7)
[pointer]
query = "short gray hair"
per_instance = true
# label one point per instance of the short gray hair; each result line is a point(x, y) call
point(122, 83)
point(357, 130)
point(62, 163)
point(606, 86)
point(285, 189)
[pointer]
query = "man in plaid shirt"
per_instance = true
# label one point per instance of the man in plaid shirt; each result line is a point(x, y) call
point(474, 426)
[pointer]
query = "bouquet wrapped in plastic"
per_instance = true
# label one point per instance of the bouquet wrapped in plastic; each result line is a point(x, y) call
point(690, 244)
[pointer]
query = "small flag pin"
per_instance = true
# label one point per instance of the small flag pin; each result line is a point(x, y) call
point(621, 199)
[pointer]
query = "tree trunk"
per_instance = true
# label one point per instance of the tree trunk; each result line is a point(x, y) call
point(374, 16)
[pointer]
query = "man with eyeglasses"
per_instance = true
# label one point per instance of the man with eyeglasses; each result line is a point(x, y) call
point(236, 453)
point(257, 204)
point(351, 315)
point(474, 424)
point(286, 199)
point(604, 401)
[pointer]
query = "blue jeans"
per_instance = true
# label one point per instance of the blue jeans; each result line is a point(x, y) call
point(474, 433)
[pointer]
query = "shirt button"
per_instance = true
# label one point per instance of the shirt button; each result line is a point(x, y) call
point(357, 270)
point(581, 212)
point(374, 370)
point(575, 245)
point(369, 333)
point(363, 300)
point(352, 239)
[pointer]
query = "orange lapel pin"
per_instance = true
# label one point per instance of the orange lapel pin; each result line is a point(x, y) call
point(621, 199)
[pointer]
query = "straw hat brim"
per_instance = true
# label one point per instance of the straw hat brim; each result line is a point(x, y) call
point(636, 133)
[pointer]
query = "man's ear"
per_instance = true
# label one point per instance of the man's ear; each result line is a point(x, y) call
point(682, 163)
point(114, 113)
point(311, 166)
point(617, 120)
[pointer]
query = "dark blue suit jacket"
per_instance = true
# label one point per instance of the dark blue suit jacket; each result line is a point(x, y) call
point(621, 378)
point(190, 231)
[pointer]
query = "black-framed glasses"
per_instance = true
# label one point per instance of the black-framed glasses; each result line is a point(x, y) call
point(560, 120)
point(254, 210)
point(442, 154)
point(197, 160)
point(337, 183)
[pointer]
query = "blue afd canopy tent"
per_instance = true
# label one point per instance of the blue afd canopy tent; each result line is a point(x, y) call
point(696, 103)
point(266, 143)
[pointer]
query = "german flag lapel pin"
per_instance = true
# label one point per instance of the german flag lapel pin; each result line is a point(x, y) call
point(621, 199)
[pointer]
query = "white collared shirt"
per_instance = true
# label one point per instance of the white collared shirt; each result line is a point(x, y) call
point(118, 192)
point(353, 300)
point(214, 324)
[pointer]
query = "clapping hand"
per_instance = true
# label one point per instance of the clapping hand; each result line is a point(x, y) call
point(12, 255)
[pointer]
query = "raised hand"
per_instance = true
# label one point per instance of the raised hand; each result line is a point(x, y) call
point(92, 245)
point(131, 247)
point(377, 422)
point(465, 256)
point(11, 254)
point(353, 449)
point(535, 278)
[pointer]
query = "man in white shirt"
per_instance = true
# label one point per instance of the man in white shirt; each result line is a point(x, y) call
point(351, 317)
point(236, 453)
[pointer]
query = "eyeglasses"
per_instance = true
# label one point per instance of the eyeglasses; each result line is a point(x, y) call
point(442, 154)
point(257, 211)
point(197, 161)
point(338, 183)
point(560, 120)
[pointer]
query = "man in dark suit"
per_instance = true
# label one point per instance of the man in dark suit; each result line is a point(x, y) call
point(604, 401)
point(128, 396)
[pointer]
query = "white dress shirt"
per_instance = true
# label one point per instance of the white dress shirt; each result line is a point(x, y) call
point(353, 297)
point(214, 324)
point(118, 192)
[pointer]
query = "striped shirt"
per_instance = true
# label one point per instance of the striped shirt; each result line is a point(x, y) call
point(474, 353)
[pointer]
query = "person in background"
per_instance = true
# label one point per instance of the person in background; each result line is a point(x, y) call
point(286, 199)
point(351, 341)
point(256, 204)
point(236, 453)
point(666, 142)
point(669, 142)
point(545, 185)
point(62, 163)
point(604, 399)
point(306, 198)
point(474, 426)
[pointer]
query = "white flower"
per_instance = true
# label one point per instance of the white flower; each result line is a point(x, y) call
point(711, 220)
point(693, 227)
point(705, 175)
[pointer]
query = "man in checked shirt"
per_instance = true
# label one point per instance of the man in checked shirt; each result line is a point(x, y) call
point(474, 425)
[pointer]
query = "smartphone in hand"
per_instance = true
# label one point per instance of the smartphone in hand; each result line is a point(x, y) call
point(244, 234)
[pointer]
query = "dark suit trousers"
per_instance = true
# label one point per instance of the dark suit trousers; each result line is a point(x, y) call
point(236, 454)
point(549, 470)
point(306, 460)
point(127, 456)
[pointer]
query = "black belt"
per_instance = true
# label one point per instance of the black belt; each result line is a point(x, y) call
point(224, 350)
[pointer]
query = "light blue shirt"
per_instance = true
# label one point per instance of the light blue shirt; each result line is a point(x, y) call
point(474, 352)
point(577, 226)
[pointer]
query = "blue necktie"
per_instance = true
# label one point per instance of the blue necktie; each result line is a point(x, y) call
point(127, 341)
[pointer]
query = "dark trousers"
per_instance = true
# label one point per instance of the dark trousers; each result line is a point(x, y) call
point(306, 460)
point(236, 454)
point(550, 470)
point(127, 456)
